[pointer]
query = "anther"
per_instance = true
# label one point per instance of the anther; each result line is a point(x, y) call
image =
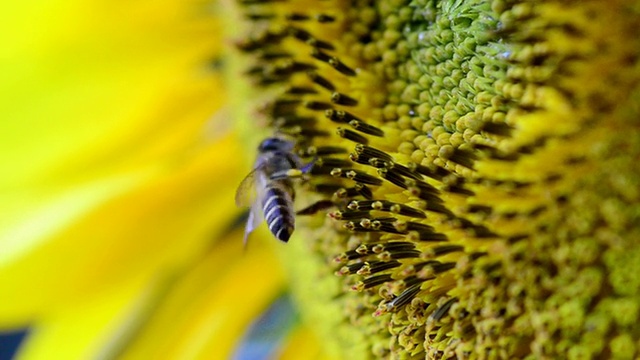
point(436, 173)
point(342, 99)
point(372, 282)
point(297, 17)
point(351, 135)
point(372, 152)
point(320, 55)
point(441, 250)
point(404, 298)
point(332, 162)
point(422, 186)
point(345, 193)
point(443, 309)
point(282, 107)
point(363, 190)
point(362, 177)
point(392, 177)
point(300, 90)
point(426, 236)
point(327, 189)
point(341, 67)
point(317, 105)
point(308, 132)
point(289, 67)
point(292, 120)
point(348, 215)
point(366, 128)
point(384, 205)
point(323, 150)
point(463, 157)
point(272, 55)
point(332, 115)
point(320, 80)
point(405, 226)
point(324, 18)
point(340, 116)
point(458, 189)
point(307, 38)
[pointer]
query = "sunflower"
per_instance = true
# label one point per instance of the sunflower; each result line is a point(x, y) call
point(475, 158)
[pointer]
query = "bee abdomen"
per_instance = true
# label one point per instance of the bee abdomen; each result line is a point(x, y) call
point(278, 213)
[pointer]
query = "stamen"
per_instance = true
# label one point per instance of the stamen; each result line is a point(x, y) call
point(403, 299)
point(384, 205)
point(324, 18)
point(351, 135)
point(341, 67)
point(300, 90)
point(443, 309)
point(366, 128)
point(321, 151)
point(363, 190)
point(371, 282)
point(372, 267)
point(348, 215)
point(317, 105)
point(296, 17)
point(320, 55)
point(372, 152)
point(340, 116)
point(332, 162)
point(320, 80)
point(342, 99)
point(307, 38)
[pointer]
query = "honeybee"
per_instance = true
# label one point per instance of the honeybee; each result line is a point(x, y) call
point(268, 189)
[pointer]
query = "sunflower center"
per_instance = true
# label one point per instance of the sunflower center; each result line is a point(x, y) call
point(450, 136)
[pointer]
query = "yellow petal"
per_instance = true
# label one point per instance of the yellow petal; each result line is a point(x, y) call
point(93, 78)
point(303, 343)
point(158, 224)
point(112, 158)
point(212, 305)
point(199, 311)
point(81, 332)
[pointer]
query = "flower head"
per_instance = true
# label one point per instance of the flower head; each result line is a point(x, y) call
point(479, 160)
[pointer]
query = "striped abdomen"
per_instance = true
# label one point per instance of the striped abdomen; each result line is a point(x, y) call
point(278, 212)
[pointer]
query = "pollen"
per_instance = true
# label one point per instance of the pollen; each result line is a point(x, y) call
point(478, 163)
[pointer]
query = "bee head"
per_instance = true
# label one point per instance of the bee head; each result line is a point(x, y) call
point(275, 144)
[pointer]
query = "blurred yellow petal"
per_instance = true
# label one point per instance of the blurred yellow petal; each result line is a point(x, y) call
point(210, 308)
point(89, 328)
point(196, 312)
point(115, 158)
point(303, 342)
point(95, 77)
point(171, 221)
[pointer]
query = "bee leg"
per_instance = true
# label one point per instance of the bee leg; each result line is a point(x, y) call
point(307, 167)
point(286, 174)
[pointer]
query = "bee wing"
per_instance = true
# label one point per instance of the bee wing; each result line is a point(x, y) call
point(247, 192)
point(255, 218)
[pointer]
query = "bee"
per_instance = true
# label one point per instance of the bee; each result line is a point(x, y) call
point(268, 188)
